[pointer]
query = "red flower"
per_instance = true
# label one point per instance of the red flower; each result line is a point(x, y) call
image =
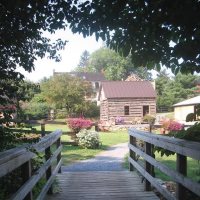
point(76, 124)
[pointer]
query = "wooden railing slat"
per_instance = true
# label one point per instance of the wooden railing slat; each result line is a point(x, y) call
point(176, 176)
point(183, 147)
point(16, 162)
point(153, 181)
point(18, 156)
point(12, 153)
point(21, 157)
point(49, 182)
point(23, 191)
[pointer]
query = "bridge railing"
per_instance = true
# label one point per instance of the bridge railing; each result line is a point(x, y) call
point(182, 148)
point(21, 158)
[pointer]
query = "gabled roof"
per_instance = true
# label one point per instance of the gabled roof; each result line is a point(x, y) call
point(128, 89)
point(192, 101)
point(133, 77)
point(88, 76)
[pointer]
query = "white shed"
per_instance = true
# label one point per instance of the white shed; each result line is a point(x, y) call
point(182, 109)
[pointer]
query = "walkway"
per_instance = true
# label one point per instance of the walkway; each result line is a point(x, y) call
point(101, 178)
point(109, 160)
point(103, 185)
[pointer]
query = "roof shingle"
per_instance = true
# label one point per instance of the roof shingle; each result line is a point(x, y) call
point(88, 76)
point(128, 89)
point(192, 101)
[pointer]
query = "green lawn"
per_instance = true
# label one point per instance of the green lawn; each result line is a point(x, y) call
point(75, 153)
point(52, 127)
point(193, 169)
point(72, 154)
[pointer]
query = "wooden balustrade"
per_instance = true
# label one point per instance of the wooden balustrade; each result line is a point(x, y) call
point(182, 148)
point(21, 158)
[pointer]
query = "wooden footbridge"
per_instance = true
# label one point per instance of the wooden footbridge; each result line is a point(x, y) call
point(101, 185)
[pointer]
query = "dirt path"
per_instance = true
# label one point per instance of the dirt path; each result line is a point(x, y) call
point(109, 160)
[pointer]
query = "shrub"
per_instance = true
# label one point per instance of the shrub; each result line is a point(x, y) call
point(175, 126)
point(36, 110)
point(166, 123)
point(61, 114)
point(76, 124)
point(149, 119)
point(191, 133)
point(190, 117)
point(92, 110)
point(88, 139)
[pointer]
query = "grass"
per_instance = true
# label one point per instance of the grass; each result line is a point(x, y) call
point(52, 127)
point(193, 167)
point(72, 154)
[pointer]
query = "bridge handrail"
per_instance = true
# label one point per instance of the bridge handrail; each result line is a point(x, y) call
point(20, 157)
point(181, 147)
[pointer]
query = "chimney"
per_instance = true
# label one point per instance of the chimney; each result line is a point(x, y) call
point(153, 84)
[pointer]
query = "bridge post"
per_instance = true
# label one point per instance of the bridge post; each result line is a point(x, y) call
point(148, 166)
point(152, 151)
point(181, 167)
point(49, 170)
point(26, 174)
point(132, 141)
point(58, 143)
point(42, 129)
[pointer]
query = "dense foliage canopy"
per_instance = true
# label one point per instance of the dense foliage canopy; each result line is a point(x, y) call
point(22, 28)
point(171, 90)
point(66, 91)
point(155, 32)
point(113, 65)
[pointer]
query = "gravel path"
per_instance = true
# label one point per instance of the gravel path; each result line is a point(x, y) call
point(109, 160)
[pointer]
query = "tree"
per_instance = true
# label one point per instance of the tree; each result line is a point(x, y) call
point(109, 62)
point(174, 90)
point(84, 59)
point(65, 91)
point(156, 33)
point(114, 66)
point(22, 28)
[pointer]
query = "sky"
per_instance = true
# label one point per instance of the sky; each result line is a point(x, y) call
point(70, 55)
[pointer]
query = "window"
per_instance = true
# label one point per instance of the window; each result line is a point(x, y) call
point(145, 110)
point(96, 85)
point(126, 110)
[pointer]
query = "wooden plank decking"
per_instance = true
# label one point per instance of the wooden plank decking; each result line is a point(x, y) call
point(106, 185)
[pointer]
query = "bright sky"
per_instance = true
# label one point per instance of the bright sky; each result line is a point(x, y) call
point(70, 55)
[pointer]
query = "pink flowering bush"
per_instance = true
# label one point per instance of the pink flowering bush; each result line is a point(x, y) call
point(166, 123)
point(175, 126)
point(76, 124)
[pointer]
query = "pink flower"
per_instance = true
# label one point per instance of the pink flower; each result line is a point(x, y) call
point(76, 124)
point(175, 126)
